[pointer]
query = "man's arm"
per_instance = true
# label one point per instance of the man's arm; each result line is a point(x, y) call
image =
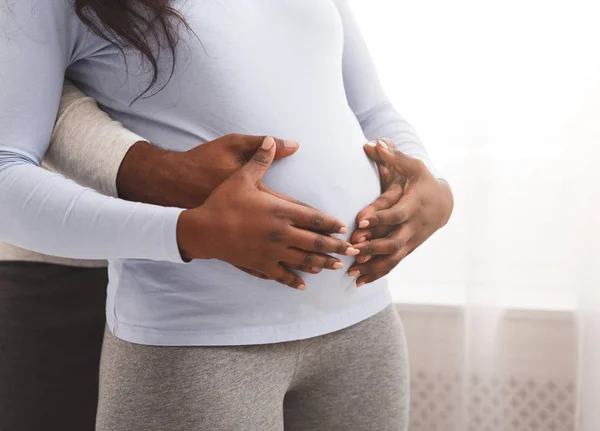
point(87, 145)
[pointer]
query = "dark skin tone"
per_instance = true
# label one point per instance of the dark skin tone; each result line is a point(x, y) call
point(413, 205)
point(220, 183)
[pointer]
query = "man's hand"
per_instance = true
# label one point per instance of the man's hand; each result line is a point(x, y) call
point(412, 206)
point(253, 229)
point(185, 179)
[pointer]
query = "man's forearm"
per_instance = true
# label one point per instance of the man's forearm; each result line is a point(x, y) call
point(151, 175)
point(86, 144)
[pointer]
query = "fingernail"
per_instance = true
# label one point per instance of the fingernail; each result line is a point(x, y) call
point(364, 223)
point(354, 273)
point(315, 269)
point(268, 143)
point(363, 239)
point(290, 144)
point(301, 287)
point(360, 284)
point(338, 265)
point(367, 258)
point(383, 144)
point(351, 251)
point(371, 144)
point(343, 230)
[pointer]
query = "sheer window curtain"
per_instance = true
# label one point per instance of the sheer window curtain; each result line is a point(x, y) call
point(502, 307)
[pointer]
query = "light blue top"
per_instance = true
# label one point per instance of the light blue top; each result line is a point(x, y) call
point(295, 69)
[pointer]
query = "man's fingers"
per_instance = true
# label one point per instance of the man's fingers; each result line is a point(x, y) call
point(309, 218)
point(319, 243)
point(285, 148)
point(247, 145)
point(312, 260)
point(386, 200)
point(287, 277)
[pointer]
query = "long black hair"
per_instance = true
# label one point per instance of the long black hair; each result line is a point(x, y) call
point(145, 25)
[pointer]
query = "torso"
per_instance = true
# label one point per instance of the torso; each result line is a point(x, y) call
point(268, 67)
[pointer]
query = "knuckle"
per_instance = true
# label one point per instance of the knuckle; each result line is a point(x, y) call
point(260, 159)
point(309, 259)
point(397, 216)
point(341, 247)
point(418, 164)
point(396, 246)
point(319, 243)
point(377, 219)
point(276, 236)
point(316, 220)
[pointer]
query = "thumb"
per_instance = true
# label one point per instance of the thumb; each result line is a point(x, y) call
point(260, 162)
point(248, 144)
point(394, 158)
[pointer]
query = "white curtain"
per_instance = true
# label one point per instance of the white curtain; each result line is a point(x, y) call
point(502, 307)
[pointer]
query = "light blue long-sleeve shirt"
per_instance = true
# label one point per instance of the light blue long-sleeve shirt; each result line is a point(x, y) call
point(295, 69)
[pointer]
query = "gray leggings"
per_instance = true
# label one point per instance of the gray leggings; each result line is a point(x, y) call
point(352, 380)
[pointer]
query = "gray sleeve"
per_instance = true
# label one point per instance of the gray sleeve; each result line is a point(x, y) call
point(86, 144)
point(41, 210)
point(377, 117)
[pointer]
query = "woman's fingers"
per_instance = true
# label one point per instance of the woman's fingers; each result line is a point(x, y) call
point(313, 270)
point(309, 218)
point(401, 162)
point(378, 265)
point(319, 243)
point(253, 272)
point(394, 216)
point(388, 245)
point(312, 260)
point(387, 200)
point(285, 276)
point(262, 187)
point(370, 278)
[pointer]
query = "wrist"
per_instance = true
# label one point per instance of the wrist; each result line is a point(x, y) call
point(142, 174)
point(193, 229)
point(447, 200)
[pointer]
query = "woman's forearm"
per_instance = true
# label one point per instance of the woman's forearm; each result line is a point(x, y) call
point(40, 210)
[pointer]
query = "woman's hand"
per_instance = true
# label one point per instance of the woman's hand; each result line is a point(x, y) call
point(152, 175)
point(248, 227)
point(412, 206)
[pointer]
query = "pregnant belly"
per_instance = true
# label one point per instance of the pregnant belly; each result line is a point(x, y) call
point(330, 173)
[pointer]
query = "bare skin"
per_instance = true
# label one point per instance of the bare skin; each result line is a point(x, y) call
point(412, 207)
point(221, 182)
